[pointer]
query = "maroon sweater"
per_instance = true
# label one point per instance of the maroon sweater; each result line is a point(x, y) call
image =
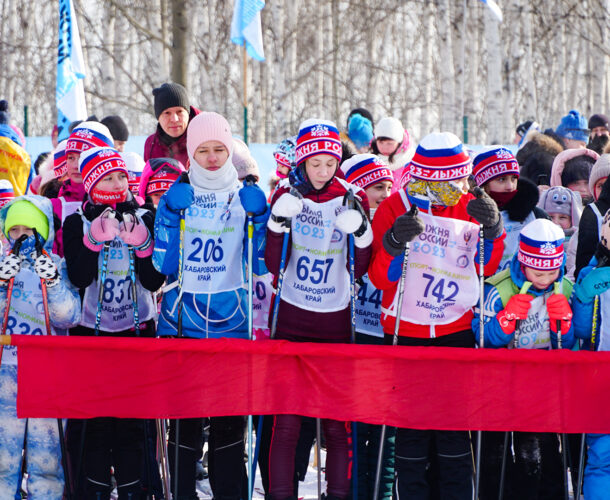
point(299, 324)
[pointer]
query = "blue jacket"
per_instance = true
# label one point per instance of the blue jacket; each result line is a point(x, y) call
point(63, 298)
point(204, 315)
point(583, 320)
point(494, 335)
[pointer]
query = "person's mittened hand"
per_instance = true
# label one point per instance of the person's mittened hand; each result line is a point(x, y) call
point(349, 221)
point(484, 209)
point(594, 283)
point(405, 229)
point(180, 196)
point(46, 269)
point(516, 308)
point(287, 205)
point(252, 199)
point(9, 266)
point(133, 231)
point(559, 310)
point(104, 228)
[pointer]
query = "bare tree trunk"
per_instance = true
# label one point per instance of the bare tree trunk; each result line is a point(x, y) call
point(446, 68)
point(494, 79)
point(180, 36)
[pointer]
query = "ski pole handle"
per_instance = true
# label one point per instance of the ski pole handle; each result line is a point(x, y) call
point(526, 286)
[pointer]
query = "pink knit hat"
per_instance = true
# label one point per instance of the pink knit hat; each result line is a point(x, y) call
point(208, 126)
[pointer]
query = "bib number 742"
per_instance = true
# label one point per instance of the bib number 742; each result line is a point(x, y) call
point(443, 290)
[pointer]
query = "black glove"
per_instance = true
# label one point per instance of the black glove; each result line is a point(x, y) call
point(405, 228)
point(484, 209)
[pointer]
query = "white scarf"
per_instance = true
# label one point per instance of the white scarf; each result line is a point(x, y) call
point(223, 179)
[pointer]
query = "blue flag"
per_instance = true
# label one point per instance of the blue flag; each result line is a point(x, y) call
point(246, 27)
point(495, 10)
point(70, 91)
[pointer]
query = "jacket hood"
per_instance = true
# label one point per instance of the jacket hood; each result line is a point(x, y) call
point(41, 203)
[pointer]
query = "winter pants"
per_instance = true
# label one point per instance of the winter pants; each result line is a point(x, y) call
point(597, 469)
point(225, 456)
point(117, 442)
point(286, 430)
point(535, 471)
point(43, 454)
point(454, 455)
point(368, 437)
point(301, 460)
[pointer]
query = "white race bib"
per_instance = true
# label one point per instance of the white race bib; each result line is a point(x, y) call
point(213, 243)
point(442, 282)
point(26, 315)
point(316, 276)
point(68, 207)
point(533, 332)
point(117, 297)
point(368, 309)
point(261, 302)
point(604, 328)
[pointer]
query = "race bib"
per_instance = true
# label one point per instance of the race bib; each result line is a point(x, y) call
point(213, 243)
point(368, 309)
point(316, 276)
point(26, 315)
point(261, 302)
point(441, 270)
point(534, 332)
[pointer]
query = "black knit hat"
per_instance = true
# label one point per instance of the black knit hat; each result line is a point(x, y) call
point(523, 127)
point(599, 120)
point(170, 95)
point(577, 169)
point(118, 128)
point(4, 114)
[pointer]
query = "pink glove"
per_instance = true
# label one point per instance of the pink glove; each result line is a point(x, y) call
point(103, 228)
point(135, 233)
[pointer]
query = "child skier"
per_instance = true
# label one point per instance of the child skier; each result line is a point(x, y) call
point(447, 238)
point(497, 172)
point(527, 307)
point(591, 322)
point(22, 221)
point(213, 204)
point(108, 250)
point(318, 257)
point(157, 177)
point(564, 207)
point(85, 136)
point(368, 172)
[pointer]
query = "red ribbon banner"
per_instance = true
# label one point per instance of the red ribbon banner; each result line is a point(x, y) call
point(417, 387)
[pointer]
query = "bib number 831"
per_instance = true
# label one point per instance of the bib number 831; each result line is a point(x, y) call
point(316, 272)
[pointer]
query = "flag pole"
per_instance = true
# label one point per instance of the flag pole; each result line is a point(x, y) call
point(245, 65)
point(463, 79)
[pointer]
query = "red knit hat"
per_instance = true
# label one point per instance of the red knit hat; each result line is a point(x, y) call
point(541, 245)
point(95, 163)
point(87, 135)
point(494, 163)
point(317, 137)
point(440, 156)
point(364, 170)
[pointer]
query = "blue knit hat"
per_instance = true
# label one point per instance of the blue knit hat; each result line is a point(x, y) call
point(573, 126)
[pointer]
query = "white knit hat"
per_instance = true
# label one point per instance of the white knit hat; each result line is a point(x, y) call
point(391, 128)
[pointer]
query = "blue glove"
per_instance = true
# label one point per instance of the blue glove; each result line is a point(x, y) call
point(360, 130)
point(180, 196)
point(594, 283)
point(253, 199)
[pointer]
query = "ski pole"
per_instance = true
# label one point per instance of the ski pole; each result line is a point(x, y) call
point(401, 292)
point(526, 286)
point(183, 178)
point(163, 456)
point(47, 320)
point(562, 436)
point(477, 472)
point(100, 283)
point(9, 291)
point(251, 463)
point(280, 277)
point(134, 291)
point(351, 204)
point(319, 456)
point(581, 455)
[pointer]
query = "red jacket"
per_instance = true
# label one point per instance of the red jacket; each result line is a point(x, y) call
point(386, 280)
point(160, 145)
point(299, 324)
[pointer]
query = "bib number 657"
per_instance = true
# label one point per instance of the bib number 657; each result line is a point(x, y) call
point(316, 272)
